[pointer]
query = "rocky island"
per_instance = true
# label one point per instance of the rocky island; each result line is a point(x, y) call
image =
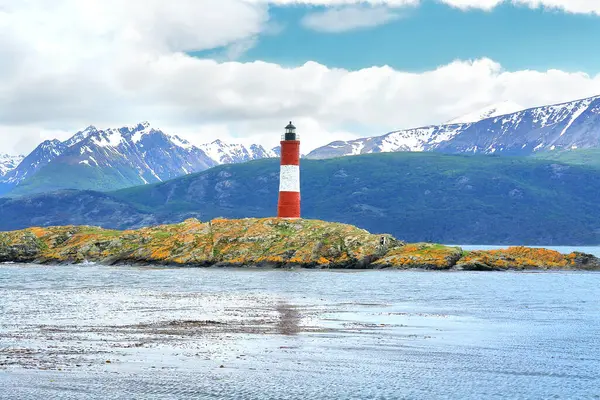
point(266, 242)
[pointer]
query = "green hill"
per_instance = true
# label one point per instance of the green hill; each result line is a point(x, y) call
point(588, 157)
point(415, 196)
point(76, 176)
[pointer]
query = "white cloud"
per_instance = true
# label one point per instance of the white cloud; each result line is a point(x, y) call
point(571, 6)
point(91, 62)
point(330, 3)
point(348, 18)
point(479, 4)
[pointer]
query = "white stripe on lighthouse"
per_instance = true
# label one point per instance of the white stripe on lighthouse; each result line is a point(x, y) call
point(289, 178)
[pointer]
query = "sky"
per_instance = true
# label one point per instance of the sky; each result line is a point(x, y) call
point(240, 70)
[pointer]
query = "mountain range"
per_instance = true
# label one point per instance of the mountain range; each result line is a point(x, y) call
point(565, 126)
point(116, 158)
point(140, 154)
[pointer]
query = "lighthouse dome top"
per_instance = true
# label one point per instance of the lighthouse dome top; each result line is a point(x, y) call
point(290, 133)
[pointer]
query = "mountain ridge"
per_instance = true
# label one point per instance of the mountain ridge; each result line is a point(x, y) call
point(490, 111)
point(118, 157)
point(568, 125)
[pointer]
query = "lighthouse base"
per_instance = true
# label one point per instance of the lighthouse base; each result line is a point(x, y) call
point(289, 205)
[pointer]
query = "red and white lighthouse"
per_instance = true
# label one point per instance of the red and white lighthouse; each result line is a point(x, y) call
point(289, 176)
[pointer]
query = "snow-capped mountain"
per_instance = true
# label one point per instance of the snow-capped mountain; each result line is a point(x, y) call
point(81, 135)
point(419, 139)
point(571, 125)
point(223, 153)
point(8, 163)
point(120, 157)
point(41, 156)
point(140, 154)
point(495, 110)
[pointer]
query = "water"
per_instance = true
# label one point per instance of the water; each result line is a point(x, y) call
point(273, 334)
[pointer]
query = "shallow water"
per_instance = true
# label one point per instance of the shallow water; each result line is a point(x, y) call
point(298, 334)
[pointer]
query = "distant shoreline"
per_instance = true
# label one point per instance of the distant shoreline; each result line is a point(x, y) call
point(284, 268)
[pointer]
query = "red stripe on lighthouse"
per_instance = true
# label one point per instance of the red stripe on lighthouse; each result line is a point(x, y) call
point(290, 152)
point(289, 205)
point(289, 180)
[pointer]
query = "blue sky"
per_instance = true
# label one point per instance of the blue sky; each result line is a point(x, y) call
point(434, 34)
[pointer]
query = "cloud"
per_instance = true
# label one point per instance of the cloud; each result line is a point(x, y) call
point(332, 3)
point(343, 19)
point(469, 4)
point(571, 6)
point(93, 62)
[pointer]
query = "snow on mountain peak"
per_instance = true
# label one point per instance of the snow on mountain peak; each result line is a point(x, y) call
point(136, 127)
point(219, 151)
point(113, 137)
point(9, 162)
point(134, 154)
point(139, 134)
point(569, 125)
point(181, 142)
point(53, 146)
point(81, 135)
point(108, 138)
point(226, 153)
point(494, 110)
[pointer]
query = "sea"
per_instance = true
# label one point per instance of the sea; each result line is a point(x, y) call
point(100, 332)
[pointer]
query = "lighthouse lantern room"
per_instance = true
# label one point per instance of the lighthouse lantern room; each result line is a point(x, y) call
point(289, 176)
point(290, 132)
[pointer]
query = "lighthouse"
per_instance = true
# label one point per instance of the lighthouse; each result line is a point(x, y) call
point(289, 175)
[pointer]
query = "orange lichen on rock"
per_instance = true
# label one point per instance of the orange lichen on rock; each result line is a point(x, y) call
point(420, 255)
point(250, 241)
point(323, 261)
point(514, 258)
point(264, 241)
point(38, 232)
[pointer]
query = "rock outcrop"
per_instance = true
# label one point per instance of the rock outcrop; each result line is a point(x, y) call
point(421, 255)
point(264, 242)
